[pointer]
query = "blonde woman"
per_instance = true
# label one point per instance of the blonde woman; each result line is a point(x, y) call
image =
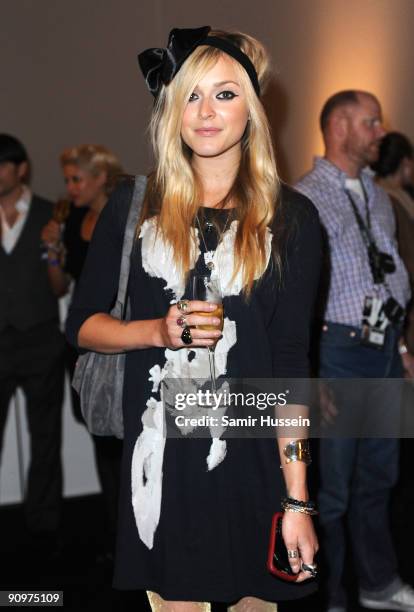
point(195, 513)
point(90, 172)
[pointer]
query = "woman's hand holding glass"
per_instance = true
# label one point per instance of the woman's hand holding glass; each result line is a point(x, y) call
point(51, 234)
point(197, 313)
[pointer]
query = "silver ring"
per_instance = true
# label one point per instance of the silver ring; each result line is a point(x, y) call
point(182, 305)
point(312, 568)
point(182, 322)
point(292, 554)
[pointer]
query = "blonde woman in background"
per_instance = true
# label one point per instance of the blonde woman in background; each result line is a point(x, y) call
point(91, 173)
point(195, 513)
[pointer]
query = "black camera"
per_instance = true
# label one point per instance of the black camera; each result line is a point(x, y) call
point(393, 310)
point(380, 263)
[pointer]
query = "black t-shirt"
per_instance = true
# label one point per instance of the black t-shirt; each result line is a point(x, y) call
point(76, 247)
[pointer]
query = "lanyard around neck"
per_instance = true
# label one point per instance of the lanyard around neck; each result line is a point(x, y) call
point(364, 226)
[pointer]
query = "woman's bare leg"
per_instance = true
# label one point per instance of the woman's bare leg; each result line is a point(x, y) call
point(253, 604)
point(158, 604)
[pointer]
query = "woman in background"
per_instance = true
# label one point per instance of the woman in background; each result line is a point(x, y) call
point(91, 173)
point(394, 173)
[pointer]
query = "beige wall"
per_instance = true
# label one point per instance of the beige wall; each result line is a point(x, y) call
point(68, 71)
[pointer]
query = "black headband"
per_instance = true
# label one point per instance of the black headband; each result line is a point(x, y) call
point(159, 66)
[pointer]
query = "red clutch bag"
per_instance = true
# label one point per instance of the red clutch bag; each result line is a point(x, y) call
point(277, 557)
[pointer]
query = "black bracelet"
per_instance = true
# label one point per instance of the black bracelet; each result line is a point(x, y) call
point(311, 505)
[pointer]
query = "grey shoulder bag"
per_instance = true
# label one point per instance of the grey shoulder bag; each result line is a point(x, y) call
point(99, 377)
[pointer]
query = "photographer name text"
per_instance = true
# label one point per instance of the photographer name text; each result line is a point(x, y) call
point(226, 421)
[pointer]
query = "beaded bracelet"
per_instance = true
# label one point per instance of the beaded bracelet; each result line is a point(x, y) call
point(297, 502)
point(292, 508)
point(55, 248)
point(295, 505)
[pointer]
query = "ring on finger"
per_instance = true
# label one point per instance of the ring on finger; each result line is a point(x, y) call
point(186, 336)
point(293, 554)
point(182, 322)
point(312, 568)
point(182, 305)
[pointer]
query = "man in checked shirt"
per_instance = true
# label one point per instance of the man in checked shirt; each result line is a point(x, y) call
point(360, 338)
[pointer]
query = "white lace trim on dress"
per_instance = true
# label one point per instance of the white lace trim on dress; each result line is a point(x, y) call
point(147, 458)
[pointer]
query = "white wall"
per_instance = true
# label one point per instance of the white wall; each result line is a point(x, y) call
point(69, 72)
point(79, 473)
point(77, 454)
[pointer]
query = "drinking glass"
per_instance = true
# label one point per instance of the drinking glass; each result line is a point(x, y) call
point(209, 290)
point(60, 213)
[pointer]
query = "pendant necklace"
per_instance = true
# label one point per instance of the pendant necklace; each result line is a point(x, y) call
point(209, 255)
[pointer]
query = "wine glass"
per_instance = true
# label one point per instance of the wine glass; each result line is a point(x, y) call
point(207, 289)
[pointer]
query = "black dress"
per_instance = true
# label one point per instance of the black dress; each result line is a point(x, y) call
point(211, 540)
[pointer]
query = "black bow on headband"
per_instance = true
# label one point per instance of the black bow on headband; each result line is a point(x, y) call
point(159, 66)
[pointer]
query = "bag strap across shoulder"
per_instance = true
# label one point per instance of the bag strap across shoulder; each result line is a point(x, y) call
point(130, 229)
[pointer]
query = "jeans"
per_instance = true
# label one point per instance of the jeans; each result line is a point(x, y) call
point(357, 474)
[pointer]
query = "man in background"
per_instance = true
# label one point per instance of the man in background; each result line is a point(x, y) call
point(366, 293)
point(31, 344)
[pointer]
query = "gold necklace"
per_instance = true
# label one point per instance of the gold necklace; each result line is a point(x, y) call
point(209, 255)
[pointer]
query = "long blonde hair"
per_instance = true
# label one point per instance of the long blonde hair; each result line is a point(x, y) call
point(173, 191)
